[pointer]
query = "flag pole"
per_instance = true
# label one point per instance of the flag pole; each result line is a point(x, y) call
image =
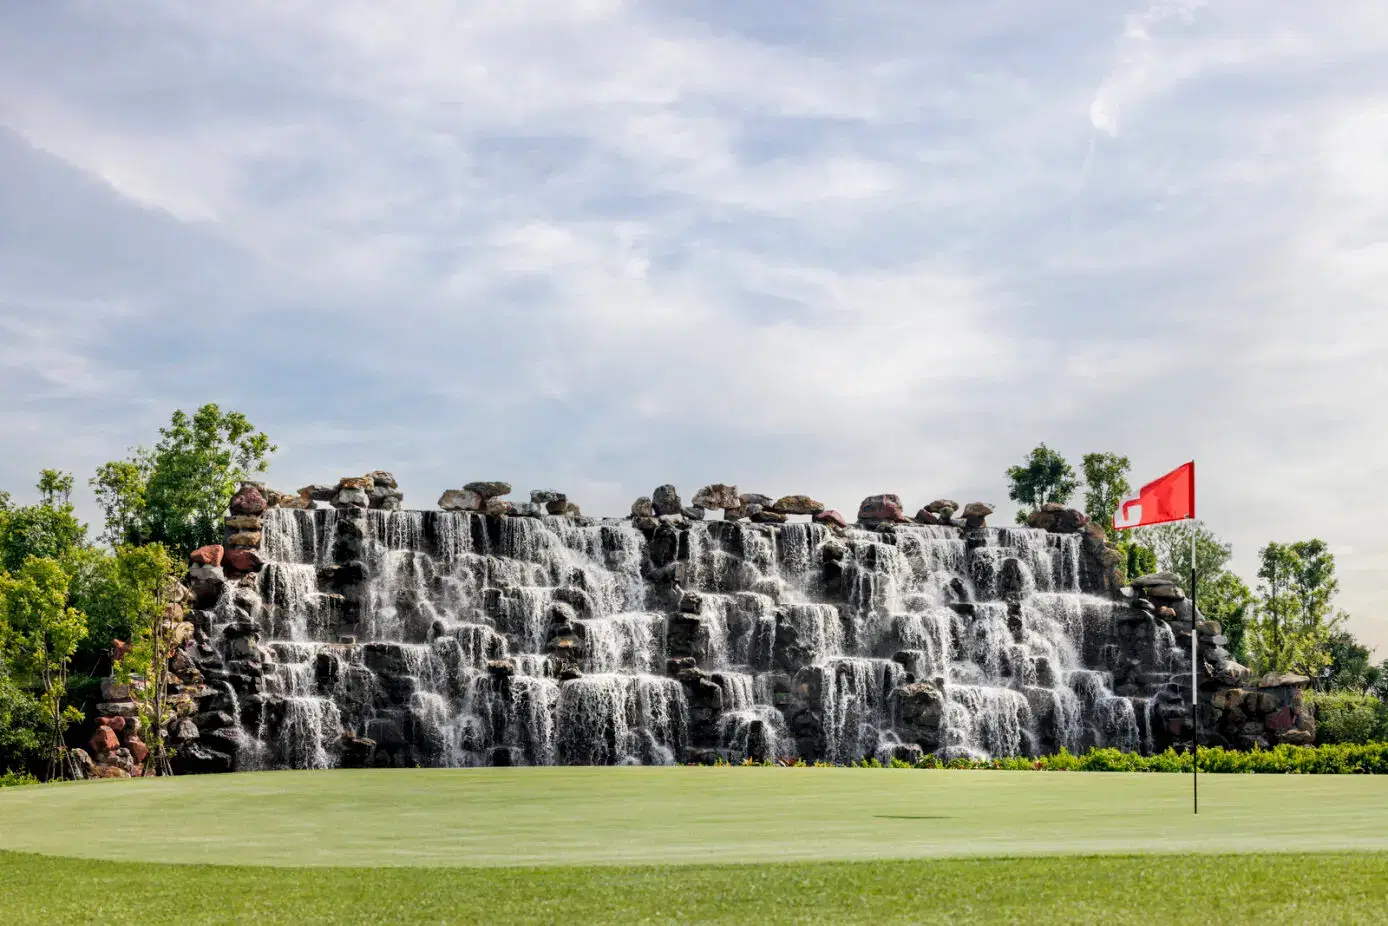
point(1194, 681)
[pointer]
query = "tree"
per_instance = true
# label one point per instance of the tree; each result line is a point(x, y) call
point(48, 529)
point(1045, 478)
point(177, 493)
point(1138, 560)
point(1227, 600)
point(1351, 668)
point(1105, 486)
point(1293, 625)
point(40, 635)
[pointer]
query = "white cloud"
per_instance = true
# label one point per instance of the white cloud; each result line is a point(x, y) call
point(601, 245)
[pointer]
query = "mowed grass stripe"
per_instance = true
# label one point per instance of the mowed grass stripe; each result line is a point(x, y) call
point(625, 816)
point(1227, 890)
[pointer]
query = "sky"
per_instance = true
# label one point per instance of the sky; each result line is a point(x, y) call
point(833, 247)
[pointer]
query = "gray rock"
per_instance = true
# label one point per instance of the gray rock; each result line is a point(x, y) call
point(461, 500)
point(547, 497)
point(352, 498)
point(717, 496)
point(318, 492)
point(767, 516)
point(693, 512)
point(666, 500)
point(642, 508)
point(942, 505)
point(489, 489)
point(977, 510)
point(752, 498)
point(498, 508)
point(381, 478)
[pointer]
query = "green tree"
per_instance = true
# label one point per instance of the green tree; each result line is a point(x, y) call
point(1137, 560)
point(1227, 600)
point(176, 493)
point(1045, 477)
point(48, 529)
point(1293, 625)
point(1351, 665)
point(41, 633)
point(1105, 485)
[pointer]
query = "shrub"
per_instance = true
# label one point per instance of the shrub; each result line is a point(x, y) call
point(16, 779)
point(1345, 717)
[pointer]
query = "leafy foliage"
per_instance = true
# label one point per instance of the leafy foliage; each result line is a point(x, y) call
point(1343, 717)
point(176, 493)
point(1045, 477)
point(1105, 486)
point(1293, 625)
point(39, 634)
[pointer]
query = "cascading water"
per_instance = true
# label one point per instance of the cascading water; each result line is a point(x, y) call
point(454, 639)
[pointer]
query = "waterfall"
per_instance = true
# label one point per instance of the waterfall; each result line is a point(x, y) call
point(468, 640)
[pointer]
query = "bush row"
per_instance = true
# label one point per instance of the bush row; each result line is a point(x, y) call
point(1335, 759)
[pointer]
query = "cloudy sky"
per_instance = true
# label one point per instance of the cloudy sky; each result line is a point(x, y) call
point(823, 246)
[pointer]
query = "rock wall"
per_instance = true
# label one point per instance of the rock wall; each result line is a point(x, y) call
point(335, 628)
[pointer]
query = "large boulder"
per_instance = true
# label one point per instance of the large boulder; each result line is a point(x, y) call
point(498, 508)
point(352, 497)
point(831, 518)
point(244, 522)
point(243, 539)
point(318, 492)
point(248, 500)
point(977, 510)
point(642, 508)
point(717, 496)
point(210, 555)
point(103, 741)
point(243, 561)
point(206, 583)
point(489, 489)
point(382, 479)
point(1283, 679)
point(666, 500)
point(881, 508)
point(943, 507)
point(796, 504)
point(461, 500)
point(918, 711)
point(1057, 519)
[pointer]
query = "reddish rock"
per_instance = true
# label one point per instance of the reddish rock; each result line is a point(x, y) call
point(116, 724)
point(138, 750)
point(830, 517)
point(249, 500)
point(1279, 721)
point(210, 555)
point(104, 741)
point(881, 508)
point(926, 516)
point(243, 561)
point(109, 771)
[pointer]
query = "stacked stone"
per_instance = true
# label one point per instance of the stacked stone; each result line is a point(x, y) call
point(116, 748)
point(665, 506)
point(485, 497)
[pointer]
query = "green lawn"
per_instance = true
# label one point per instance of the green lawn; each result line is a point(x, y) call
point(500, 845)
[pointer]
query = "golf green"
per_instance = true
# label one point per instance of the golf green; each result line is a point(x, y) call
point(676, 816)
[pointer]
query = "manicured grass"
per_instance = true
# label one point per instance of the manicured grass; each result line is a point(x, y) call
point(625, 816)
point(696, 845)
point(1227, 890)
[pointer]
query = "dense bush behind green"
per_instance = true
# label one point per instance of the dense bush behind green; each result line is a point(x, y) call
point(1334, 759)
point(1346, 717)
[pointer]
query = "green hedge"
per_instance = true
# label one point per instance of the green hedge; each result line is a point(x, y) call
point(1354, 759)
point(1341, 759)
point(1342, 717)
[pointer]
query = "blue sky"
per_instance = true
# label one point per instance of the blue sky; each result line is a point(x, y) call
point(817, 246)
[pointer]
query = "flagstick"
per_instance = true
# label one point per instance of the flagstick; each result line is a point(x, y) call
point(1194, 681)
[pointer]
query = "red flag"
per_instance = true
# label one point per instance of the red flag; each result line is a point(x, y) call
point(1170, 498)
